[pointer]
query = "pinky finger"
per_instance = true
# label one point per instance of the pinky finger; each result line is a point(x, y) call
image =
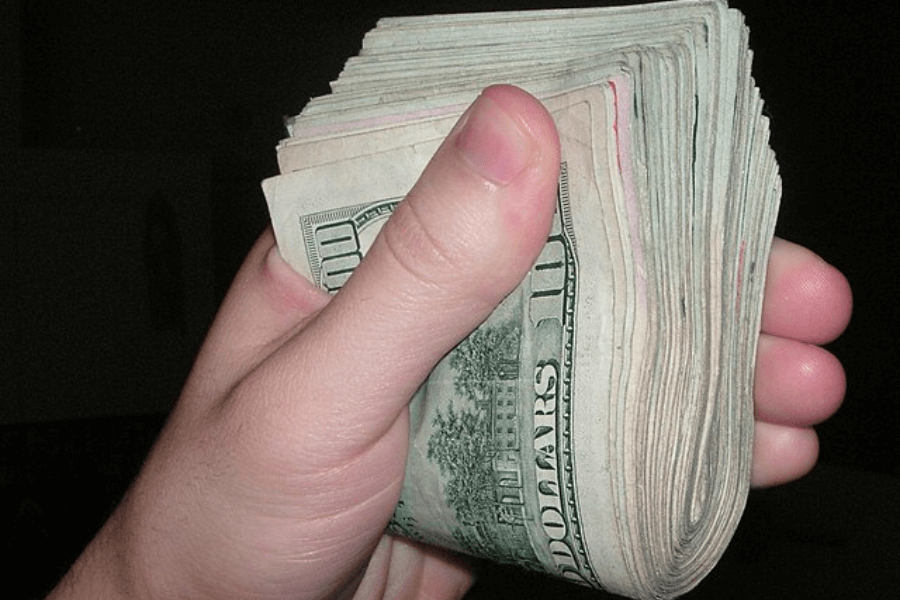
point(782, 453)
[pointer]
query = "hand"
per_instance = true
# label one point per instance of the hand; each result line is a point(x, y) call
point(798, 384)
point(282, 462)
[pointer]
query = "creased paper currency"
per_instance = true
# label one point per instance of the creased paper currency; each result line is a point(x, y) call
point(598, 426)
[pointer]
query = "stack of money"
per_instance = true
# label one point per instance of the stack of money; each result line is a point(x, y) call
point(598, 426)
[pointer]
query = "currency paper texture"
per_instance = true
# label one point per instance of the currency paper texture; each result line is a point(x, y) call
point(599, 425)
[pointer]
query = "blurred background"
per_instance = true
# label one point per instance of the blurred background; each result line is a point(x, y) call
point(133, 137)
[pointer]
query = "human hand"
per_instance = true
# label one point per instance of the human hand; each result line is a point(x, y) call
point(282, 462)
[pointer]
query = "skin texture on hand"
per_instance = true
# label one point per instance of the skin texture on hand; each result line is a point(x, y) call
point(797, 384)
point(282, 462)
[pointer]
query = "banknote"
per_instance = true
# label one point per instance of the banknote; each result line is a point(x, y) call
point(598, 425)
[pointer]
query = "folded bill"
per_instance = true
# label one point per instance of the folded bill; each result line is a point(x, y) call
point(599, 425)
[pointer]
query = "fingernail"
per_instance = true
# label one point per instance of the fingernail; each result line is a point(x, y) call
point(493, 143)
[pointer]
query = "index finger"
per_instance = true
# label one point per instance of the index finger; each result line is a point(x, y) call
point(806, 299)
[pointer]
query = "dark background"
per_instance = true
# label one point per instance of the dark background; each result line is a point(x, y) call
point(133, 137)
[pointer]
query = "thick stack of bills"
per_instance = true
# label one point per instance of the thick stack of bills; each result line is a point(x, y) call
point(599, 425)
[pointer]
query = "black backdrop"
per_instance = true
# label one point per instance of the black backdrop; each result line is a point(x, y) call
point(199, 89)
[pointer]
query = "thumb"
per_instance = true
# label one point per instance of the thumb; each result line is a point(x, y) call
point(461, 240)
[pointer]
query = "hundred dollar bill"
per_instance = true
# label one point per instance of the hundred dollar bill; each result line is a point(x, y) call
point(598, 425)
